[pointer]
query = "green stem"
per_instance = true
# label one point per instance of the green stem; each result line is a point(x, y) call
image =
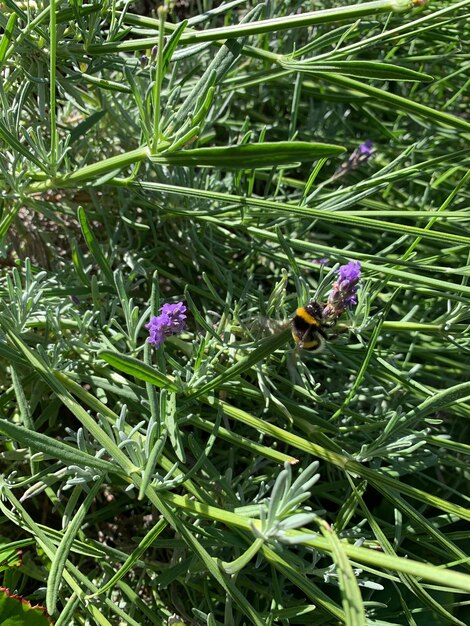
point(259, 27)
point(423, 328)
point(359, 554)
point(395, 101)
point(91, 172)
point(312, 213)
point(52, 98)
point(394, 33)
point(157, 86)
point(235, 566)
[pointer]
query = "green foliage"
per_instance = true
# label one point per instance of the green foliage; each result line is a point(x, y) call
point(209, 153)
point(10, 556)
point(17, 611)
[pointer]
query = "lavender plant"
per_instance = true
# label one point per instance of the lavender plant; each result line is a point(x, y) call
point(168, 175)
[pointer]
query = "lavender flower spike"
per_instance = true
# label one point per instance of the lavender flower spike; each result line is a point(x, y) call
point(360, 155)
point(343, 294)
point(366, 149)
point(171, 321)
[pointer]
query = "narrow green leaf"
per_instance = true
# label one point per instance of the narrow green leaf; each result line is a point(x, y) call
point(238, 564)
point(106, 85)
point(410, 581)
point(360, 69)
point(79, 263)
point(138, 369)
point(74, 578)
point(6, 37)
point(203, 106)
point(82, 128)
point(180, 142)
point(273, 25)
point(168, 408)
point(17, 146)
point(367, 359)
point(243, 442)
point(249, 156)
point(198, 549)
point(341, 217)
point(55, 448)
point(456, 446)
point(172, 44)
point(223, 61)
point(58, 563)
point(265, 348)
point(7, 219)
point(440, 400)
point(86, 420)
point(135, 555)
point(429, 528)
point(153, 459)
point(93, 171)
point(380, 480)
point(304, 583)
point(350, 593)
point(348, 508)
point(11, 553)
point(399, 102)
point(94, 246)
point(13, 6)
point(441, 575)
point(66, 14)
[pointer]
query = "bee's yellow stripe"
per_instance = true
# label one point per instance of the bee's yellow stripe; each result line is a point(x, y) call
point(302, 312)
point(308, 345)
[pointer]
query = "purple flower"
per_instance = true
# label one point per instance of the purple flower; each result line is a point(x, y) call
point(360, 155)
point(171, 321)
point(366, 149)
point(321, 261)
point(343, 294)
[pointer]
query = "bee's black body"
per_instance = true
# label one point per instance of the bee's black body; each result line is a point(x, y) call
point(308, 326)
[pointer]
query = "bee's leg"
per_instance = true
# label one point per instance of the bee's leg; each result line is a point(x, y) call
point(341, 329)
point(312, 339)
point(322, 333)
point(303, 338)
point(305, 335)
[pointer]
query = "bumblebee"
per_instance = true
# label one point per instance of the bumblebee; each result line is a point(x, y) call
point(308, 326)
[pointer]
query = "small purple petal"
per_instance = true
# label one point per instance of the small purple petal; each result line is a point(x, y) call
point(359, 156)
point(174, 309)
point(366, 148)
point(349, 273)
point(171, 321)
point(343, 294)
